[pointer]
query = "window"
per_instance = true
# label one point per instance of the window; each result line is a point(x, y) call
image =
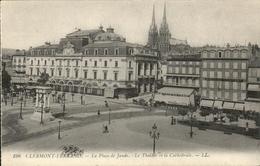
point(77, 63)
point(44, 70)
point(115, 76)
point(204, 74)
point(211, 84)
point(31, 71)
point(219, 65)
point(52, 72)
point(211, 64)
point(204, 64)
point(190, 70)
point(243, 75)
point(235, 65)
point(95, 75)
point(38, 71)
point(129, 76)
point(183, 70)
point(24, 60)
point(60, 63)
point(105, 75)
point(243, 65)
point(117, 51)
point(86, 63)
point(76, 73)
point(116, 63)
point(52, 62)
point(105, 51)
point(31, 62)
point(197, 70)
point(38, 62)
point(68, 73)
point(105, 63)
point(59, 72)
point(211, 74)
point(177, 69)
point(227, 65)
point(235, 74)
point(219, 74)
point(85, 74)
point(243, 86)
point(45, 62)
point(130, 65)
point(95, 63)
point(227, 75)
point(96, 52)
point(204, 83)
point(226, 85)
point(219, 54)
point(68, 63)
point(86, 52)
point(131, 51)
point(235, 86)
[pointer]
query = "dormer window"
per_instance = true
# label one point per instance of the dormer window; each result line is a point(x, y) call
point(105, 51)
point(131, 51)
point(219, 54)
point(96, 51)
point(116, 51)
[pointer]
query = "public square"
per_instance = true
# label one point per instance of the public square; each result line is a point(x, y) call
point(127, 121)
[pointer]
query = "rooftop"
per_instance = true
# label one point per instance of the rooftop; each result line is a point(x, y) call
point(80, 32)
point(254, 62)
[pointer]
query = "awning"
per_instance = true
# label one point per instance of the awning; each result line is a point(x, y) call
point(218, 104)
point(206, 103)
point(228, 105)
point(175, 100)
point(19, 80)
point(252, 106)
point(176, 91)
point(239, 106)
point(253, 87)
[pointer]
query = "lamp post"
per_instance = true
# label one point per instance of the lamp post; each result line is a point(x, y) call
point(154, 134)
point(59, 137)
point(21, 106)
point(63, 104)
point(191, 115)
point(109, 110)
point(42, 102)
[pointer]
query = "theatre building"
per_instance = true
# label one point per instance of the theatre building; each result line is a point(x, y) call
point(224, 77)
point(105, 65)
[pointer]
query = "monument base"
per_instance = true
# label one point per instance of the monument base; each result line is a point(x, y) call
point(46, 115)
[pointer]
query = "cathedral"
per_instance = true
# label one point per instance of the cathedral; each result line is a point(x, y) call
point(161, 40)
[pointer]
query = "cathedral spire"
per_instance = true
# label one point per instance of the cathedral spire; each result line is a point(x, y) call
point(153, 32)
point(153, 26)
point(164, 13)
point(153, 19)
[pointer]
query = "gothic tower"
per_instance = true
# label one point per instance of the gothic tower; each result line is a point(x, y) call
point(164, 35)
point(153, 34)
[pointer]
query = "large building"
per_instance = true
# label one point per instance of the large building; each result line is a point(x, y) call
point(162, 40)
point(253, 89)
point(105, 65)
point(224, 76)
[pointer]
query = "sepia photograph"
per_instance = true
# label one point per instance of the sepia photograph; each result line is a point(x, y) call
point(131, 82)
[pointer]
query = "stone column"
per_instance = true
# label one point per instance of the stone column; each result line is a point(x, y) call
point(48, 101)
point(44, 100)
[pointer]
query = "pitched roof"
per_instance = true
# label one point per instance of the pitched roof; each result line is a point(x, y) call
point(112, 44)
point(176, 91)
point(254, 62)
point(47, 46)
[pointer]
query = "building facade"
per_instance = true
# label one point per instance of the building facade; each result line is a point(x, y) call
point(253, 88)
point(107, 66)
point(224, 73)
point(184, 71)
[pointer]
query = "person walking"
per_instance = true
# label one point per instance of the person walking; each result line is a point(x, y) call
point(98, 113)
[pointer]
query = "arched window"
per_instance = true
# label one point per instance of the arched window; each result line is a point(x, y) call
point(105, 51)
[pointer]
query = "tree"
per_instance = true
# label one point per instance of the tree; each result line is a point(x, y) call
point(204, 113)
point(183, 112)
point(44, 77)
point(6, 80)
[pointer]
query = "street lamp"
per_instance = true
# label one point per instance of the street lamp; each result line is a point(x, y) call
point(109, 110)
point(191, 116)
point(42, 102)
point(59, 137)
point(21, 106)
point(154, 134)
point(63, 104)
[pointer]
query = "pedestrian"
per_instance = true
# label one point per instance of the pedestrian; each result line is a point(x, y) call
point(98, 113)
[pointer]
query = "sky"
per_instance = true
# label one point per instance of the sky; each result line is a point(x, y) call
point(200, 22)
